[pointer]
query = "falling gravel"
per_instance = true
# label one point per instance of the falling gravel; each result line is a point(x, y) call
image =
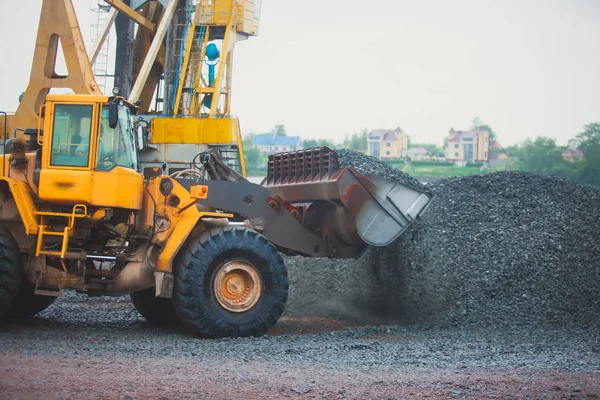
point(502, 249)
point(369, 165)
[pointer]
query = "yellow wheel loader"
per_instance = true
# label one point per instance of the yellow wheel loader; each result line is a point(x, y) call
point(202, 247)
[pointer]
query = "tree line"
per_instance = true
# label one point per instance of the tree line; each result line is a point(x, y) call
point(544, 156)
point(356, 141)
point(540, 154)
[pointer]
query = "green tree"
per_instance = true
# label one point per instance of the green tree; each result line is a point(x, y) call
point(514, 151)
point(477, 125)
point(357, 142)
point(248, 140)
point(279, 130)
point(326, 142)
point(252, 156)
point(589, 170)
point(310, 143)
point(543, 155)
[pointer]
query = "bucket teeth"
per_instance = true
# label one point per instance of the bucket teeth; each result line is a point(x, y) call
point(301, 166)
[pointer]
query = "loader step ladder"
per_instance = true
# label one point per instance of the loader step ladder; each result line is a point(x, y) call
point(79, 211)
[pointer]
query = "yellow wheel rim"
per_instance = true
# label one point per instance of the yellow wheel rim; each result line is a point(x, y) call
point(237, 286)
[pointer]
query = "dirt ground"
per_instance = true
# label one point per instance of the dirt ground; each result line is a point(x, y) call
point(68, 377)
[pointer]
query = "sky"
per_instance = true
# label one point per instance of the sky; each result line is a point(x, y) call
point(326, 69)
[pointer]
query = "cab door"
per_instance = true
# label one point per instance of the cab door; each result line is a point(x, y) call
point(116, 181)
point(66, 175)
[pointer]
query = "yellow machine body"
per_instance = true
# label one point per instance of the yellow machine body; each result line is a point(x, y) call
point(218, 13)
point(86, 182)
point(195, 130)
point(53, 195)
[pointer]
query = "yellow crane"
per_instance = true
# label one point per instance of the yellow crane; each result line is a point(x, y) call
point(195, 95)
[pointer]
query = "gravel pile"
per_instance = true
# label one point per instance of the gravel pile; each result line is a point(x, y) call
point(503, 249)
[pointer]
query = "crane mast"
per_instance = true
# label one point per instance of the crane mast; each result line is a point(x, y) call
point(186, 75)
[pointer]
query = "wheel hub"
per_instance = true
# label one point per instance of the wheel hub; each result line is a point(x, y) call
point(237, 286)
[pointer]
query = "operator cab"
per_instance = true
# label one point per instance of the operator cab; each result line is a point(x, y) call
point(88, 152)
point(73, 134)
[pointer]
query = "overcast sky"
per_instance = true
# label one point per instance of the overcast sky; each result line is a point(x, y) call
point(330, 68)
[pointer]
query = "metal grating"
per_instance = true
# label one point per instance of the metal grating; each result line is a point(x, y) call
point(302, 166)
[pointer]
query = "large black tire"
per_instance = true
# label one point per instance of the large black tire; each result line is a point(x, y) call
point(196, 268)
point(27, 303)
point(156, 310)
point(10, 269)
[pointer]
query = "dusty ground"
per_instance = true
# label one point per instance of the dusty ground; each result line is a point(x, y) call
point(84, 348)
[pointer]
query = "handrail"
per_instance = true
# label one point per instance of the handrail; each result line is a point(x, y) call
point(42, 108)
point(4, 139)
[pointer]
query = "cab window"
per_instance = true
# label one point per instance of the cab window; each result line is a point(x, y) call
point(116, 146)
point(71, 135)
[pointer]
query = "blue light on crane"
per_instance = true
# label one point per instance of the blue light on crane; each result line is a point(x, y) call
point(212, 55)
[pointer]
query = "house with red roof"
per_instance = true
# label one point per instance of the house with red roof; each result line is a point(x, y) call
point(572, 154)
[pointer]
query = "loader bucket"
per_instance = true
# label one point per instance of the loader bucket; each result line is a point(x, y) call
point(359, 209)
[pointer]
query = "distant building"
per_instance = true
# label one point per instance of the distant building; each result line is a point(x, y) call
point(270, 143)
point(572, 154)
point(467, 146)
point(496, 145)
point(496, 152)
point(387, 144)
point(418, 153)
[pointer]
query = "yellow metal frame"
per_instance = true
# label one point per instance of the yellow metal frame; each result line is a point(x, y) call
point(179, 236)
point(182, 219)
point(227, 14)
point(184, 67)
point(42, 232)
point(193, 130)
point(58, 20)
point(199, 79)
point(132, 14)
point(21, 193)
point(209, 131)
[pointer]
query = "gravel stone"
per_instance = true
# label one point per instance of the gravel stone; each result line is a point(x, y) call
point(77, 325)
point(502, 249)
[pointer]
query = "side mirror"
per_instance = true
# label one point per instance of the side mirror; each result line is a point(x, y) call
point(141, 137)
point(113, 115)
